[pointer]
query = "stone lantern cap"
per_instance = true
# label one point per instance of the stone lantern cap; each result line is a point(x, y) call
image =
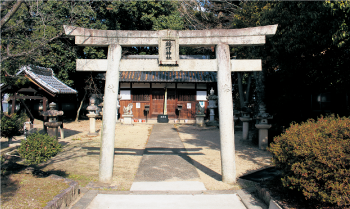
point(92, 106)
point(52, 112)
point(263, 114)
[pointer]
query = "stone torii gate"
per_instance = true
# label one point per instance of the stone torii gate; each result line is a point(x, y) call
point(168, 42)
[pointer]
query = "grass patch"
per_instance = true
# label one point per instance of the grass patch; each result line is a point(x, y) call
point(28, 191)
point(81, 179)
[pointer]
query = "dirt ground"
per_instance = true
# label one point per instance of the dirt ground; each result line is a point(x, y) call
point(208, 161)
point(79, 160)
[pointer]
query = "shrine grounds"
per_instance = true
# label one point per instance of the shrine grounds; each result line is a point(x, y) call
point(79, 159)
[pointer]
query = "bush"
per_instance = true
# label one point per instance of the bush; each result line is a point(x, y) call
point(315, 159)
point(12, 125)
point(39, 148)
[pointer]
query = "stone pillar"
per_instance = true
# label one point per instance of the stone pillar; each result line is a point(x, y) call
point(109, 111)
point(92, 117)
point(227, 145)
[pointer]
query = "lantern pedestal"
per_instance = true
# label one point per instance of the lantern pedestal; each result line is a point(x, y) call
point(263, 127)
point(245, 119)
point(263, 134)
point(92, 118)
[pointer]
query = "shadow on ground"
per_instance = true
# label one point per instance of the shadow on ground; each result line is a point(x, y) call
point(208, 137)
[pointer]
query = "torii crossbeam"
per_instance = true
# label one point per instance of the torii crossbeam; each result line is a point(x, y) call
point(168, 42)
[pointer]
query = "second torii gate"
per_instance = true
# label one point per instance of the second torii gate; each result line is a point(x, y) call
point(168, 42)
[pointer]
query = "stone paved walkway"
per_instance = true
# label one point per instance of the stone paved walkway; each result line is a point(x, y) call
point(166, 178)
point(164, 166)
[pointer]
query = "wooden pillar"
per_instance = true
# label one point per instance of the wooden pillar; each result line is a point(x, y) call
point(45, 118)
point(109, 111)
point(227, 144)
point(13, 103)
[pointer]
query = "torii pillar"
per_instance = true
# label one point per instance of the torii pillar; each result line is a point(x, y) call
point(168, 42)
point(109, 112)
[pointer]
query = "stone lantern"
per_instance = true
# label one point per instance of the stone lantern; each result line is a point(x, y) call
point(245, 118)
point(263, 126)
point(92, 116)
point(211, 106)
point(53, 123)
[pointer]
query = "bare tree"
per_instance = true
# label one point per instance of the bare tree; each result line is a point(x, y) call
point(89, 89)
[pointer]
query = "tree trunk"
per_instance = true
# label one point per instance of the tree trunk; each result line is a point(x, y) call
point(260, 86)
point(9, 140)
point(248, 87)
point(240, 89)
point(81, 104)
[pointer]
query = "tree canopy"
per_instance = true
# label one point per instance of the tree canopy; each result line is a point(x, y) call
point(309, 53)
point(34, 33)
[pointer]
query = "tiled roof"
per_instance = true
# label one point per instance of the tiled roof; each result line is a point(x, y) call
point(161, 76)
point(45, 78)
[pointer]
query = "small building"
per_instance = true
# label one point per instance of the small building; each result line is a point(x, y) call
point(41, 89)
point(151, 88)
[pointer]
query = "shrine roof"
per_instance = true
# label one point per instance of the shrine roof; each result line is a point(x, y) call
point(44, 77)
point(173, 77)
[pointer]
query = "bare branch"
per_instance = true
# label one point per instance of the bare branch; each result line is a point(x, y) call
point(8, 16)
point(9, 55)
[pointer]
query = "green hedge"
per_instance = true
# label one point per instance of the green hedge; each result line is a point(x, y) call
point(39, 148)
point(315, 159)
point(12, 125)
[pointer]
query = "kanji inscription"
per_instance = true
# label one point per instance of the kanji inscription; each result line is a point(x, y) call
point(168, 51)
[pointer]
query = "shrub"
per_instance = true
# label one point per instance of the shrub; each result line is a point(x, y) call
point(39, 148)
point(11, 125)
point(315, 159)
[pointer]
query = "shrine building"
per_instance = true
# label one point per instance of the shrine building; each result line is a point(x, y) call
point(184, 89)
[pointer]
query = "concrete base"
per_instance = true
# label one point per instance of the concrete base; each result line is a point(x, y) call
point(128, 119)
point(224, 201)
point(168, 186)
point(200, 120)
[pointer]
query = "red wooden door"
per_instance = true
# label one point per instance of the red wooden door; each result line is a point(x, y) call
point(157, 107)
point(171, 103)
